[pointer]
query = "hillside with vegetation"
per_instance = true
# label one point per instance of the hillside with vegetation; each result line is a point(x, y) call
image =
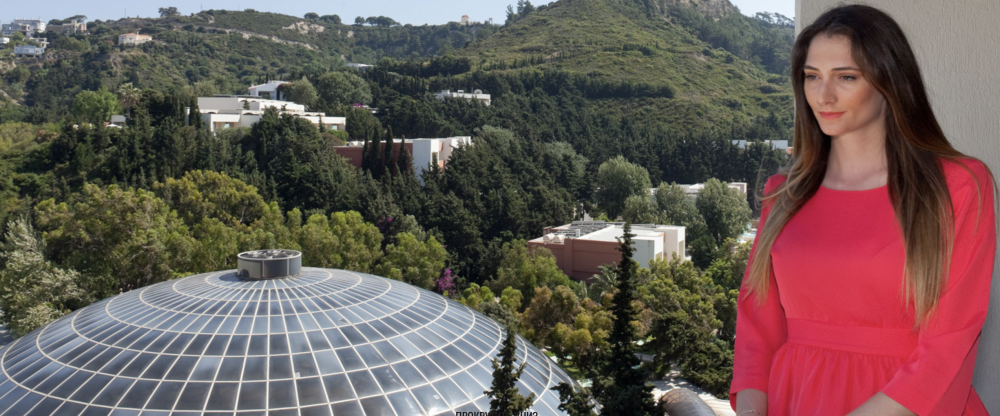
point(594, 102)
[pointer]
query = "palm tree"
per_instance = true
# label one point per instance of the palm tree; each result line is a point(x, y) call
point(129, 96)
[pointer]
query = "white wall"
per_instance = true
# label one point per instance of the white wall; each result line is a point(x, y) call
point(646, 249)
point(673, 240)
point(955, 43)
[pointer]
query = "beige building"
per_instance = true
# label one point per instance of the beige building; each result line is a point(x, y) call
point(133, 39)
point(70, 28)
point(582, 246)
point(955, 43)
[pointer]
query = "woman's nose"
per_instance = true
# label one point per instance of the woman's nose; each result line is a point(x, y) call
point(826, 94)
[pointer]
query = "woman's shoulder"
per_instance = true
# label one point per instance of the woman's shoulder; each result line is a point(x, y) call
point(773, 182)
point(966, 174)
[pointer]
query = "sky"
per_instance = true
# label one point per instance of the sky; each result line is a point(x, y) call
point(403, 11)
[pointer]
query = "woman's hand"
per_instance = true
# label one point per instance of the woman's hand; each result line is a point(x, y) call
point(879, 404)
point(751, 399)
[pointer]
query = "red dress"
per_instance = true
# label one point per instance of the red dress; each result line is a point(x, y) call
point(834, 331)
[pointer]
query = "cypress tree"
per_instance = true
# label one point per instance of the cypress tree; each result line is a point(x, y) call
point(621, 388)
point(574, 403)
point(365, 158)
point(195, 115)
point(375, 163)
point(506, 399)
point(405, 161)
point(387, 163)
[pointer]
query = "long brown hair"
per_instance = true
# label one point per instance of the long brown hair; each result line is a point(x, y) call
point(914, 146)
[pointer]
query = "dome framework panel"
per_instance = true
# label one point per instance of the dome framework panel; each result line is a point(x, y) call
point(325, 342)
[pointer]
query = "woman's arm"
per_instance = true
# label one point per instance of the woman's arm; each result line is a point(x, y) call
point(937, 377)
point(881, 405)
point(760, 332)
point(752, 399)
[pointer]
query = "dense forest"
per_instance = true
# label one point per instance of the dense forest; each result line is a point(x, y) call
point(580, 123)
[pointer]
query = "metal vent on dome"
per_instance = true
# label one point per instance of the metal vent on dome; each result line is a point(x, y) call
point(269, 264)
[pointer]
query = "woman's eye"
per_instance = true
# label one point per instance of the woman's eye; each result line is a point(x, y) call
point(848, 77)
point(810, 76)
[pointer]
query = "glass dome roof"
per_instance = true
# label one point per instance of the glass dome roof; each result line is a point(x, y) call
point(325, 342)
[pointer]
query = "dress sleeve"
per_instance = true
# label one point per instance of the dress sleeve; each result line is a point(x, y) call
point(937, 378)
point(759, 332)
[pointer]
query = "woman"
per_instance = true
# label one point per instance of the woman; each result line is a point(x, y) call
point(868, 283)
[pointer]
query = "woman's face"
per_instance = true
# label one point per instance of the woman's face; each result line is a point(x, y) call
point(842, 100)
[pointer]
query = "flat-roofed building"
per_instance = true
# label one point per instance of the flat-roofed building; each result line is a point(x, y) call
point(133, 39)
point(28, 50)
point(270, 90)
point(227, 111)
point(475, 95)
point(360, 67)
point(692, 190)
point(26, 26)
point(424, 152)
point(582, 246)
point(70, 28)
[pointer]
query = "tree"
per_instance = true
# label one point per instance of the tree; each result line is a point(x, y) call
point(117, 239)
point(301, 92)
point(338, 88)
point(620, 387)
point(412, 261)
point(33, 292)
point(335, 19)
point(688, 309)
point(727, 270)
point(549, 308)
point(128, 97)
point(511, 15)
point(206, 194)
point(639, 210)
point(528, 268)
point(617, 179)
point(342, 241)
point(573, 402)
point(358, 21)
point(311, 16)
point(362, 125)
point(676, 208)
point(169, 11)
point(726, 211)
point(506, 399)
point(95, 107)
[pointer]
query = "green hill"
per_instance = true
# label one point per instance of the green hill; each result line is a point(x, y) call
point(699, 64)
point(658, 47)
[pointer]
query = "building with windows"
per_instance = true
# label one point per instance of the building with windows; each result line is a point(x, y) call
point(270, 337)
point(227, 111)
point(29, 50)
point(424, 152)
point(26, 26)
point(133, 39)
point(70, 28)
point(270, 90)
point(475, 95)
point(582, 246)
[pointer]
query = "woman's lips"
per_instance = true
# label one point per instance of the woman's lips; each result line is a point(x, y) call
point(831, 115)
